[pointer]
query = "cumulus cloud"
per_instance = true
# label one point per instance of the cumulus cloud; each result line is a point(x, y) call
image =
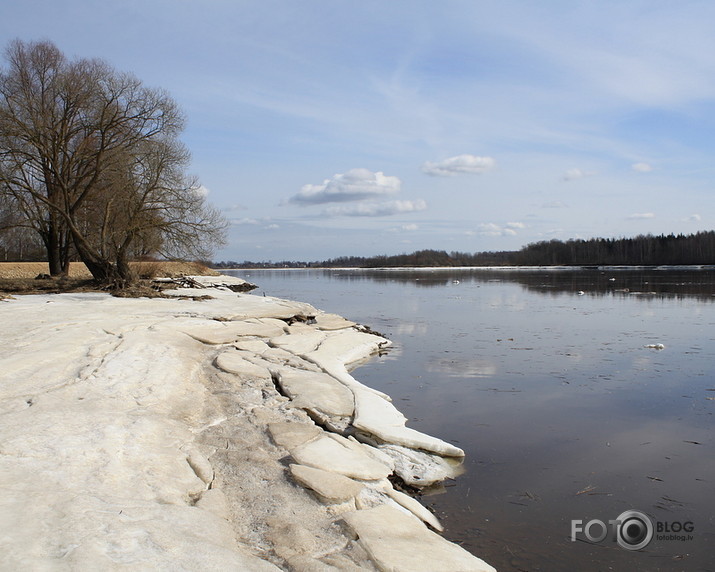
point(405, 228)
point(555, 232)
point(244, 221)
point(573, 174)
point(641, 216)
point(201, 191)
point(642, 167)
point(234, 207)
point(492, 229)
point(386, 208)
point(489, 229)
point(354, 185)
point(458, 165)
point(694, 218)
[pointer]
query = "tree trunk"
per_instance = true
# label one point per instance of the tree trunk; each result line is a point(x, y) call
point(65, 252)
point(123, 270)
point(102, 270)
point(54, 256)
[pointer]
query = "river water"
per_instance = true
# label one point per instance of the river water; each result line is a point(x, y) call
point(547, 381)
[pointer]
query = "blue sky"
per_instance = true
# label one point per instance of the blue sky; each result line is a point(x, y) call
point(333, 127)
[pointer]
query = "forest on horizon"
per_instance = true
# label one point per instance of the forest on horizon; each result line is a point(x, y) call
point(642, 250)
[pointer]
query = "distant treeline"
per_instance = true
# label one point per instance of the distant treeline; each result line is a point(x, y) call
point(419, 258)
point(646, 250)
point(642, 250)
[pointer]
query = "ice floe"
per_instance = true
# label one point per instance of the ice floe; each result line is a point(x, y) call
point(399, 541)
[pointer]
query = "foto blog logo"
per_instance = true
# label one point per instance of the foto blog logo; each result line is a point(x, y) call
point(632, 530)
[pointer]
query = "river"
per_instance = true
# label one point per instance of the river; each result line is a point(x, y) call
point(576, 394)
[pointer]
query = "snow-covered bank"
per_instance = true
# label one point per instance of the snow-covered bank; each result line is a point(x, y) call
point(151, 434)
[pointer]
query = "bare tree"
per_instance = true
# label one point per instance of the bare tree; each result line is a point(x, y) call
point(17, 240)
point(147, 205)
point(30, 118)
point(92, 155)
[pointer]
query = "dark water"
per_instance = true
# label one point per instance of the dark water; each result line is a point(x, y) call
point(545, 380)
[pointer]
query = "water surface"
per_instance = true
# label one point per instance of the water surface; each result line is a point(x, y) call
point(546, 381)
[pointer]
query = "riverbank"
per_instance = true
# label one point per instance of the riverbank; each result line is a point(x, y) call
point(223, 433)
point(77, 270)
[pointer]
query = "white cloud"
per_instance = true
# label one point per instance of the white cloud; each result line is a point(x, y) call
point(460, 164)
point(694, 218)
point(489, 229)
point(554, 232)
point(244, 221)
point(354, 185)
point(409, 227)
point(234, 207)
point(201, 191)
point(387, 208)
point(573, 174)
point(554, 205)
point(642, 167)
point(641, 216)
point(492, 229)
point(273, 226)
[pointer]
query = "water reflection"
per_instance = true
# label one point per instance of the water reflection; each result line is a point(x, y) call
point(460, 367)
point(409, 329)
point(649, 282)
point(563, 411)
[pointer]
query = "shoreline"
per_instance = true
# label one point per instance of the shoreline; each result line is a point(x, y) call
point(554, 268)
point(216, 433)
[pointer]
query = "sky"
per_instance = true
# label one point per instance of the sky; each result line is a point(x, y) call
point(326, 128)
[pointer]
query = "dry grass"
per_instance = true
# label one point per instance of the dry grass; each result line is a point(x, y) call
point(164, 269)
point(22, 278)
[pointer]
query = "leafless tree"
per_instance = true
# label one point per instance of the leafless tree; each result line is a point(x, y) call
point(17, 241)
point(92, 155)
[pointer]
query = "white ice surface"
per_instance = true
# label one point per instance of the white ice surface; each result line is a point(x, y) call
point(374, 413)
point(101, 400)
point(98, 400)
